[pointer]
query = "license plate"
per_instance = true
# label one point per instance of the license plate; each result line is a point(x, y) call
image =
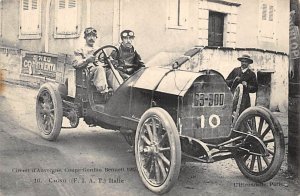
point(208, 99)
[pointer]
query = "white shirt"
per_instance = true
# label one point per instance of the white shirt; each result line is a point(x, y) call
point(244, 70)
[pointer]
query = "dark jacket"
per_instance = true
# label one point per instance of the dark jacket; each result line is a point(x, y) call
point(250, 77)
point(130, 61)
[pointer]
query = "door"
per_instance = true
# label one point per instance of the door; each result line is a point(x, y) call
point(264, 89)
point(215, 29)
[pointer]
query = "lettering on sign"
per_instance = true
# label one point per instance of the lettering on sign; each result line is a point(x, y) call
point(213, 121)
point(208, 99)
point(39, 64)
point(294, 38)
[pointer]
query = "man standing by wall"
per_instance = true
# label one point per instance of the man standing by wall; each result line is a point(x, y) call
point(243, 75)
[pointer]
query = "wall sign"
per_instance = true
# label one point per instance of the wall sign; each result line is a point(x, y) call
point(39, 64)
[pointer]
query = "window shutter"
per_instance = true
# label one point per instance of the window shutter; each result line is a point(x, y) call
point(72, 12)
point(183, 12)
point(30, 17)
point(264, 12)
point(61, 4)
point(1, 17)
point(66, 20)
point(177, 13)
point(25, 4)
point(173, 9)
point(267, 22)
point(34, 4)
point(271, 12)
point(72, 4)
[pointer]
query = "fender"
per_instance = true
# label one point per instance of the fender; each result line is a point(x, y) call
point(61, 88)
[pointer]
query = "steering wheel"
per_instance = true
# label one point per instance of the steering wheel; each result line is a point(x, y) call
point(234, 85)
point(237, 101)
point(104, 53)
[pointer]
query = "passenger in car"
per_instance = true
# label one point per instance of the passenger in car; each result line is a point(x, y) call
point(129, 61)
point(243, 75)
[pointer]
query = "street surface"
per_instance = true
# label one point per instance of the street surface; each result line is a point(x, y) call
point(93, 161)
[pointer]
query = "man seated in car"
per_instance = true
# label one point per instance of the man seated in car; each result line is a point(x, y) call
point(129, 61)
point(84, 57)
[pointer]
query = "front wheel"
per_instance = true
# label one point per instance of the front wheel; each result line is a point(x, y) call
point(253, 164)
point(49, 112)
point(157, 150)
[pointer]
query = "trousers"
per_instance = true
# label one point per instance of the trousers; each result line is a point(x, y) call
point(98, 77)
point(104, 78)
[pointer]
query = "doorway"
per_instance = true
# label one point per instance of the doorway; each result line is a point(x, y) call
point(264, 88)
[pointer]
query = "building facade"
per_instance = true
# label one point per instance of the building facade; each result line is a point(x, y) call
point(164, 29)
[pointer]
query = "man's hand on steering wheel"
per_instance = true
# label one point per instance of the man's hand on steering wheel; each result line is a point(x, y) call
point(104, 53)
point(90, 59)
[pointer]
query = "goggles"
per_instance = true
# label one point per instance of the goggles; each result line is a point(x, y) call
point(90, 31)
point(128, 34)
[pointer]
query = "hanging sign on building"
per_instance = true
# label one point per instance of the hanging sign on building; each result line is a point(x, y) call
point(294, 42)
point(39, 64)
point(294, 39)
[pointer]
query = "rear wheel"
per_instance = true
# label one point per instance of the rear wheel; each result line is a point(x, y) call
point(260, 122)
point(157, 150)
point(49, 112)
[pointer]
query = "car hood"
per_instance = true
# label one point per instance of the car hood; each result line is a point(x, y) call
point(165, 80)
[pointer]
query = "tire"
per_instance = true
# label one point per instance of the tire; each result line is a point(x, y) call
point(265, 126)
point(157, 150)
point(49, 113)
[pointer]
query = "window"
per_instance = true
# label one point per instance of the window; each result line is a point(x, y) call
point(267, 17)
point(67, 19)
point(30, 19)
point(177, 14)
point(271, 12)
point(215, 28)
point(264, 11)
point(267, 12)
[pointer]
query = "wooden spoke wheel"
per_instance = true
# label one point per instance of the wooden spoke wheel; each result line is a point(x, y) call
point(49, 112)
point(253, 164)
point(158, 150)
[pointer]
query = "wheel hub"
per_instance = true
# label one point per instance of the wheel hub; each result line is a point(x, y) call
point(152, 149)
point(46, 108)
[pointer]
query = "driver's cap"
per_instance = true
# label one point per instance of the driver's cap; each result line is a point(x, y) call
point(127, 33)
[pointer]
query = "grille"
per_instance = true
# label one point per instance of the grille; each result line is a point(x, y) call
point(206, 110)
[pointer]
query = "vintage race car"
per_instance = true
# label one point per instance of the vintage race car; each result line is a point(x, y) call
point(169, 116)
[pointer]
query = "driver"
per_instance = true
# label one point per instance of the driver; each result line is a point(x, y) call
point(102, 78)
